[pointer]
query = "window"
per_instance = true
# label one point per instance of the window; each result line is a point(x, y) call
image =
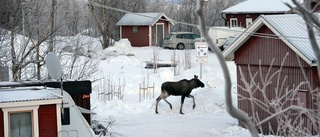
point(20, 124)
point(65, 118)
point(135, 29)
point(233, 22)
point(187, 36)
point(179, 36)
point(21, 121)
point(248, 22)
point(194, 36)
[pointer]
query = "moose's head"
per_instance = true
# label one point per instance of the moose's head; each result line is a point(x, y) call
point(199, 83)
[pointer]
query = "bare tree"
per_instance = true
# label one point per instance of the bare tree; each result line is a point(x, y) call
point(231, 109)
point(100, 15)
point(76, 58)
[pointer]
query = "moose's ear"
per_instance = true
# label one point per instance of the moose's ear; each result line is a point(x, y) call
point(195, 76)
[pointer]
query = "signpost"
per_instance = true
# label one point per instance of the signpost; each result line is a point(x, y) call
point(201, 54)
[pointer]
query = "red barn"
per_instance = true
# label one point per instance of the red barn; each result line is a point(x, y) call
point(276, 59)
point(144, 29)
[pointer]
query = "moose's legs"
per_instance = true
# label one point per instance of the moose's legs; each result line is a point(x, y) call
point(194, 103)
point(182, 101)
point(157, 101)
point(164, 97)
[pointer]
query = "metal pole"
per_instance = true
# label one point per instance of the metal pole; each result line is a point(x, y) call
point(200, 70)
point(61, 88)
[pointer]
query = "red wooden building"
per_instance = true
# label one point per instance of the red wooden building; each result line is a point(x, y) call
point(144, 29)
point(243, 14)
point(276, 59)
point(29, 112)
point(35, 109)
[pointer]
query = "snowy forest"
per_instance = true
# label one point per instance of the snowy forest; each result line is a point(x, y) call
point(44, 24)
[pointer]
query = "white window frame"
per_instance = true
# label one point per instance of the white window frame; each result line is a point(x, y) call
point(248, 22)
point(34, 113)
point(231, 22)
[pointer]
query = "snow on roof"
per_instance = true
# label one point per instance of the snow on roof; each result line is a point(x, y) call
point(23, 95)
point(140, 19)
point(294, 30)
point(260, 6)
point(290, 28)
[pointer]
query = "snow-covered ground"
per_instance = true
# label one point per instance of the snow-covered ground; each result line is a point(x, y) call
point(138, 119)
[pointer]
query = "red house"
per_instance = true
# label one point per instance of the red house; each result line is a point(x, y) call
point(144, 29)
point(243, 14)
point(275, 58)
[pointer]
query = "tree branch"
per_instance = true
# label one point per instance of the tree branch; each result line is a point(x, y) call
point(234, 112)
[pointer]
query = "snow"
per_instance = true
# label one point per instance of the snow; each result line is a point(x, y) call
point(260, 6)
point(21, 95)
point(138, 119)
point(146, 19)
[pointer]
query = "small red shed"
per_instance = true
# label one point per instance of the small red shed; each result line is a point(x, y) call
point(275, 58)
point(144, 29)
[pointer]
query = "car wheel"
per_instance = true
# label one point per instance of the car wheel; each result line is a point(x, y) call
point(180, 46)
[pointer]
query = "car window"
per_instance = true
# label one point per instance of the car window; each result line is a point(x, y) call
point(187, 36)
point(195, 36)
point(179, 36)
point(168, 36)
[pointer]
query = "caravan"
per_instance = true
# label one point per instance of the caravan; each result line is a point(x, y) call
point(220, 34)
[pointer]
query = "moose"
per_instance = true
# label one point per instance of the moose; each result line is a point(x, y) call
point(181, 88)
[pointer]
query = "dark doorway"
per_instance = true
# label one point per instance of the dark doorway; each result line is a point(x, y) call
point(159, 35)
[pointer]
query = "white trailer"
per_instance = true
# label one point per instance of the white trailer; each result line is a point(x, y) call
point(219, 34)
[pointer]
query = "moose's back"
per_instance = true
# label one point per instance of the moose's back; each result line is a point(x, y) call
point(181, 87)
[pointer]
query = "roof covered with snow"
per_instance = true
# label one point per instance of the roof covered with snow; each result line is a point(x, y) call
point(290, 28)
point(260, 6)
point(24, 95)
point(141, 19)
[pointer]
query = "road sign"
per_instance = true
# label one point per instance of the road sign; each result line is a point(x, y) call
point(201, 52)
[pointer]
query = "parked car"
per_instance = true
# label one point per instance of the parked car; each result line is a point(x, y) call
point(179, 40)
point(229, 41)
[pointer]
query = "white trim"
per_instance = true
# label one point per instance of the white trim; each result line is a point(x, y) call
point(59, 124)
point(150, 35)
point(120, 32)
point(248, 22)
point(236, 25)
point(169, 28)
point(30, 103)
point(35, 117)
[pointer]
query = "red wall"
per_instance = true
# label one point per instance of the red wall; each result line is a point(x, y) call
point(255, 56)
point(47, 121)
point(139, 39)
point(1, 124)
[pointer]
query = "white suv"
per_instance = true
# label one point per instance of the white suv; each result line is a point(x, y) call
point(179, 40)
